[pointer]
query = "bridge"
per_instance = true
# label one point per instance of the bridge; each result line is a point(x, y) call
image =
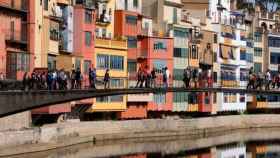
point(12, 102)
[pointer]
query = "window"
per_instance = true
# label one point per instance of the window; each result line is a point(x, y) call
point(183, 33)
point(87, 65)
point(125, 4)
point(180, 52)
point(242, 55)
point(54, 31)
point(104, 33)
point(132, 66)
point(132, 42)
point(159, 65)
point(249, 58)
point(215, 98)
point(131, 20)
point(117, 83)
point(159, 45)
point(215, 38)
point(194, 54)
point(192, 98)
point(179, 97)
point(242, 99)
point(88, 16)
point(17, 62)
point(273, 98)
point(258, 52)
point(175, 15)
point(274, 58)
point(51, 62)
point(258, 37)
point(135, 3)
point(102, 61)
point(274, 41)
point(77, 64)
point(88, 38)
point(159, 98)
point(116, 99)
point(116, 62)
point(244, 76)
point(46, 4)
point(257, 67)
point(178, 74)
point(215, 76)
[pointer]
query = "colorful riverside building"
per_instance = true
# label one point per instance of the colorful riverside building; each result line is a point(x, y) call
point(203, 47)
point(230, 44)
point(110, 53)
point(128, 25)
point(226, 68)
point(64, 33)
point(16, 53)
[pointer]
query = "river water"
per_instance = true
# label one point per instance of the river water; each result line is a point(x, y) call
point(253, 143)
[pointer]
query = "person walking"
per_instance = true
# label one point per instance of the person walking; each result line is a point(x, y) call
point(73, 79)
point(139, 74)
point(166, 75)
point(93, 78)
point(78, 79)
point(187, 77)
point(90, 77)
point(147, 79)
point(25, 81)
point(153, 78)
point(209, 78)
point(268, 80)
point(107, 80)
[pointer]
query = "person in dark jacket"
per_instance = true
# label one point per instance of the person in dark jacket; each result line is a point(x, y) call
point(153, 78)
point(78, 78)
point(93, 78)
point(106, 79)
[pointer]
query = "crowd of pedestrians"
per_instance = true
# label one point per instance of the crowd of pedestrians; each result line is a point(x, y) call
point(265, 80)
point(197, 77)
point(147, 79)
point(61, 80)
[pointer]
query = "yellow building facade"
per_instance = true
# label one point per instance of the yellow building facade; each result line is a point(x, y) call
point(110, 54)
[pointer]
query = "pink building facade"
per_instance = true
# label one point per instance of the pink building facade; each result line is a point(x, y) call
point(15, 53)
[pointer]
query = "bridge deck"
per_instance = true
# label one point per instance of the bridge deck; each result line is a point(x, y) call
point(12, 102)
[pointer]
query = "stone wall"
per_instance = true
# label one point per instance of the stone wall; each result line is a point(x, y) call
point(72, 133)
point(16, 122)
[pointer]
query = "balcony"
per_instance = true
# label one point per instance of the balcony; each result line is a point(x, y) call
point(15, 36)
point(110, 43)
point(104, 19)
point(186, 18)
point(56, 14)
point(14, 6)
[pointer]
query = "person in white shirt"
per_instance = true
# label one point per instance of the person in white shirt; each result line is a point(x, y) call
point(166, 76)
point(268, 80)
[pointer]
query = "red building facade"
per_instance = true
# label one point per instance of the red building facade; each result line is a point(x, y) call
point(15, 54)
point(84, 33)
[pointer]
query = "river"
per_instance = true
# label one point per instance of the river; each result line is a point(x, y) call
point(253, 143)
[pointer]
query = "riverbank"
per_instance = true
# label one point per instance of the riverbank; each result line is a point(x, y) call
point(66, 134)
